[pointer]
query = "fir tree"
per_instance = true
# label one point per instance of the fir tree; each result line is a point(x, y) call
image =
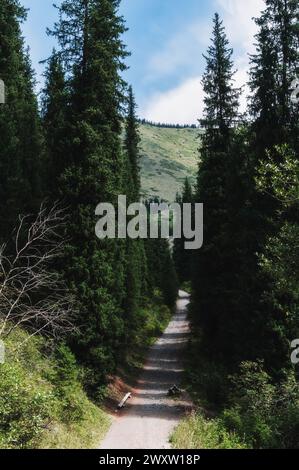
point(55, 106)
point(221, 98)
point(136, 267)
point(222, 190)
point(274, 67)
point(183, 259)
point(20, 133)
point(92, 51)
point(132, 141)
point(275, 124)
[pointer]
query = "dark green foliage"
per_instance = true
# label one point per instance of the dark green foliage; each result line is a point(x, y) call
point(267, 415)
point(23, 411)
point(273, 145)
point(90, 165)
point(245, 302)
point(136, 262)
point(183, 258)
point(55, 108)
point(221, 99)
point(132, 140)
point(274, 67)
point(21, 143)
point(279, 176)
point(223, 182)
point(235, 300)
point(67, 388)
point(162, 274)
point(93, 268)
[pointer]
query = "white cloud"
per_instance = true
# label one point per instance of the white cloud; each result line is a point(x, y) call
point(184, 104)
point(237, 17)
point(181, 105)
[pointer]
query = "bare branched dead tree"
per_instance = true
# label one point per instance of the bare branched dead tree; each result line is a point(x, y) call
point(31, 293)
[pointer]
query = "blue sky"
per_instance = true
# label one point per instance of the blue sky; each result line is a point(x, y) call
point(167, 39)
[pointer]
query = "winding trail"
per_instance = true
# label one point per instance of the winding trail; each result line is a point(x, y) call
point(150, 416)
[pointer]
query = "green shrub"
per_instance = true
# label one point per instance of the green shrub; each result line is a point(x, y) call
point(67, 387)
point(197, 432)
point(23, 409)
point(266, 415)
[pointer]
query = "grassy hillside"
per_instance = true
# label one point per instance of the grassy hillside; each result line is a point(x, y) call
point(167, 157)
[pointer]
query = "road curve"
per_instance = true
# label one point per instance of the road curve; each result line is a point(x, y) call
point(150, 416)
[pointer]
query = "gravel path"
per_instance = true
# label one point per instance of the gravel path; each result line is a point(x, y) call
point(150, 416)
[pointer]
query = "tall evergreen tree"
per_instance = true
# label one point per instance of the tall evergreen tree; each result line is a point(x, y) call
point(275, 125)
point(234, 294)
point(274, 67)
point(55, 110)
point(132, 141)
point(136, 267)
point(89, 33)
point(275, 118)
point(20, 133)
point(221, 98)
point(162, 274)
point(223, 188)
point(183, 259)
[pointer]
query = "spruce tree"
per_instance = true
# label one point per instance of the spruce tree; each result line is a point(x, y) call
point(222, 190)
point(162, 275)
point(235, 300)
point(91, 49)
point(275, 125)
point(275, 117)
point(183, 259)
point(132, 141)
point(20, 132)
point(55, 106)
point(136, 266)
point(221, 98)
point(274, 67)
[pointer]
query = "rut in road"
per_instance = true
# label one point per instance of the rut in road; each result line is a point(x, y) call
point(151, 416)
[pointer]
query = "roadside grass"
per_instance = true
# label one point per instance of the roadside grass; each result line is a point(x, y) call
point(198, 432)
point(203, 429)
point(42, 402)
point(86, 434)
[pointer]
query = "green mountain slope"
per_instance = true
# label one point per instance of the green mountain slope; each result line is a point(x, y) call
point(168, 155)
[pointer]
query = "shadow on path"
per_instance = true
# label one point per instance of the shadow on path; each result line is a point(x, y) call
point(151, 415)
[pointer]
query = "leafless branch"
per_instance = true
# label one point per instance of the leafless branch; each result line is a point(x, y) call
point(31, 292)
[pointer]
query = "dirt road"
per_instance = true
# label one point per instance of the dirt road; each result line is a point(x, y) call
point(151, 415)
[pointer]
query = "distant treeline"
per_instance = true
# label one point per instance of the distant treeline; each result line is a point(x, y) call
point(167, 125)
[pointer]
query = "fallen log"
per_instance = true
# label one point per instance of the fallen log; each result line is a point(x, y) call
point(124, 401)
